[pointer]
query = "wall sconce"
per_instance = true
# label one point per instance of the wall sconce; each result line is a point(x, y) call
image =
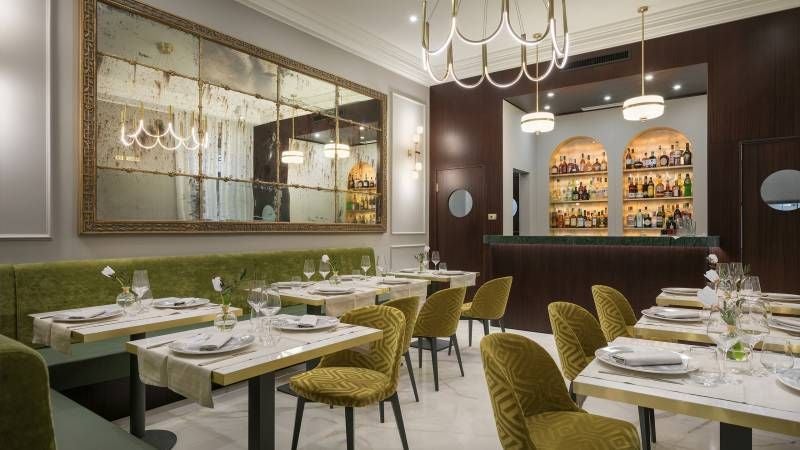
point(415, 154)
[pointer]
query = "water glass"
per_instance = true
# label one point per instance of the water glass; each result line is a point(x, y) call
point(751, 288)
point(140, 285)
point(380, 266)
point(435, 259)
point(256, 298)
point(725, 336)
point(442, 266)
point(309, 269)
point(271, 307)
point(752, 324)
point(704, 366)
point(776, 354)
point(296, 282)
point(366, 263)
point(324, 269)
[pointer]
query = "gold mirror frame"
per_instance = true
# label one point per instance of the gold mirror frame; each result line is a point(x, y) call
point(89, 224)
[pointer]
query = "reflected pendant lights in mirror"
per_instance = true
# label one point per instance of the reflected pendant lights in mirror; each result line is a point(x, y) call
point(338, 151)
point(539, 121)
point(292, 156)
point(643, 107)
point(505, 23)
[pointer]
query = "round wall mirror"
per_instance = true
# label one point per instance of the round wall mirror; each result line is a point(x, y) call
point(514, 207)
point(460, 203)
point(781, 190)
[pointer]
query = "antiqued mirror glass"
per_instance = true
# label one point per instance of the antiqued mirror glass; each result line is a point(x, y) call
point(781, 190)
point(188, 130)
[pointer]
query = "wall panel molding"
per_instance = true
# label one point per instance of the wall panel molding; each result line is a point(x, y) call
point(409, 195)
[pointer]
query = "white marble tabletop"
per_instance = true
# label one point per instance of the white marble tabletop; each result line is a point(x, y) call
point(464, 279)
point(782, 308)
point(756, 402)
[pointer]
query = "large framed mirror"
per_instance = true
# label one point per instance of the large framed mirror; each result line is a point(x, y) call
point(185, 129)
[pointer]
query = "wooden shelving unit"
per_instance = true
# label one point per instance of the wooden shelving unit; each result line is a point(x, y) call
point(360, 201)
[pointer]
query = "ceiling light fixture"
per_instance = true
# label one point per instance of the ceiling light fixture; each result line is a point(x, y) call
point(551, 94)
point(643, 107)
point(607, 98)
point(197, 135)
point(547, 107)
point(412, 18)
point(539, 121)
point(505, 24)
point(649, 77)
point(677, 87)
point(292, 155)
point(338, 151)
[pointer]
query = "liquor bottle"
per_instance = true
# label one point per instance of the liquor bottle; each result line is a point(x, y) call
point(687, 186)
point(687, 156)
point(667, 189)
point(628, 159)
point(555, 195)
point(631, 188)
point(554, 169)
point(676, 154)
point(630, 219)
point(553, 219)
point(560, 219)
point(677, 214)
point(580, 221)
point(663, 159)
point(660, 217)
point(652, 161)
point(562, 166)
point(639, 188)
point(573, 219)
point(659, 187)
point(647, 221)
point(597, 167)
point(587, 219)
point(639, 221)
point(574, 193)
point(604, 163)
point(594, 220)
point(637, 163)
point(350, 182)
point(676, 190)
point(651, 189)
point(582, 164)
point(672, 161)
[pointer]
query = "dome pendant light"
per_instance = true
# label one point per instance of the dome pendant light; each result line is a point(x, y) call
point(290, 156)
point(540, 121)
point(643, 107)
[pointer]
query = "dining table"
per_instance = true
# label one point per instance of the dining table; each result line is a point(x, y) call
point(754, 403)
point(690, 301)
point(256, 364)
point(135, 327)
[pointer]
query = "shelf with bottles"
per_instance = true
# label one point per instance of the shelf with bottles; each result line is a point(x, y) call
point(578, 155)
point(658, 149)
point(657, 199)
point(664, 217)
point(577, 202)
point(658, 169)
point(579, 174)
point(579, 218)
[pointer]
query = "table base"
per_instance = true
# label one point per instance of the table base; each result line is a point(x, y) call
point(261, 412)
point(160, 439)
point(735, 437)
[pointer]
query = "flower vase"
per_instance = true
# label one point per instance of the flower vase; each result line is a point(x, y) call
point(126, 299)
point(335, 278)
point(225, 321)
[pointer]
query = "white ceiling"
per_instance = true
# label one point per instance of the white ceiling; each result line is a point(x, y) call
point(380, 30)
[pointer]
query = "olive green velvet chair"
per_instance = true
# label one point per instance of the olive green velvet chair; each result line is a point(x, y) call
point(488, 304)
point(438, 318)
point(614, 311)
point(358, 377)
point(578, 335)
point(409, 306)
point(532, 408)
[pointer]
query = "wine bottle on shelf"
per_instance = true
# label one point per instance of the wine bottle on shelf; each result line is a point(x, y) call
point(659, 187)
point(677, 213)
point(687, 156)
point(628, 159)
point(651, 189)
point(639, 221)
point(639, 188)
point(579, 220)
point(554, 169)
point(637, 162)
point(574, 193)
point(676, 190)
point(687, 186)
point(630, 219)
point(667, 189)
point(573, 219)
point(647, 221)
point(660, 217)
point(676, 154)
point(597, 167)
point(582, 164)
point(604, 163)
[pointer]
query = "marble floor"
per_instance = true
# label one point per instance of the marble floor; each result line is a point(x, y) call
point(459, 416)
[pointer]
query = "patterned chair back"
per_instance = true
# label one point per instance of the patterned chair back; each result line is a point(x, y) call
point(491, 299)
point(440, 314)
point(382, 355)
point(614, 311)
point(577, 335)
point(523, 381)
point(409, 306)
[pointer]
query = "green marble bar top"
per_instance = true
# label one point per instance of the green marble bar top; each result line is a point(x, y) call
point(669, 241)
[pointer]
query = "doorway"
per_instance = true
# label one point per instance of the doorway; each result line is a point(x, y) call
point(460, 209)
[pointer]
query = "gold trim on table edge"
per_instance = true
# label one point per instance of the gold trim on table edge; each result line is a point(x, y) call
point(783, 309)
point(87, 95)
point(690, 337)
point(431, 278)
point(709, 412)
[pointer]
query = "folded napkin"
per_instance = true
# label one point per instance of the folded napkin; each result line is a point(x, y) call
point(308, 321)
point(205, 342)
point(712, 276)
point(648, 358)
point(52, 334)
point(182, 375)
point(707, 296)
point(787, 321)
point(462, 280)
point(674, 313)
point(79, 314)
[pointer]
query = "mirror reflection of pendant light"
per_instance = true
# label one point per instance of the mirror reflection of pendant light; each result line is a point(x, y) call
point(539, 121)
point(336, 150)
point(643, 107)
point(197, 136)
point(292, 156)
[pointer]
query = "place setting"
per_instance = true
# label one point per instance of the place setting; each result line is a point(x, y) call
point(674, 314)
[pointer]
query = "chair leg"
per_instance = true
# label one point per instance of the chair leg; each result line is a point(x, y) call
point(411, 376)
point(454, 341)
point(432, 341)
point(380, 408)
point(398, 417)
point(449, 347)
point(572, 393)
point(502, 325)
point(298, 420)
point(485, 327)
point(644, 428)
point(652, 424)
point(470, 332)
point(348, 420)
point(419, 351)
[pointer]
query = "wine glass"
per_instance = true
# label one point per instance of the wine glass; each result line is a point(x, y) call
point(435, 259)
point(751, 288)
point(256, 299)
point(723, 270)
point(753, 326)
point(704, 366)
point(140, 285)
point(724, 335)
point(271, 307)
point(365, 264)
point(737, 272)
point(309, 269)
point(324, 269)
point(776, 354)
point(380, 266)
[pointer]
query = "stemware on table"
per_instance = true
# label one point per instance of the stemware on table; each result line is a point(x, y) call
point(435, 259)
point(256, 299)
point(724, 336)
point(752, 325)
point(324, 269)
point(366, 263)
point(380, 266)
point(309, 269)
point(140, 285)
point(777, 354)
point(271, 307)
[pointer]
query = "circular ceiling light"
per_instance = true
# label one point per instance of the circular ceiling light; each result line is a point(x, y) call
point(607, 98)
point(551, 94)
point(677, 87)
point(538, 122)
point(649, 77)
point(643, 107)
point(337, 151)
point(292, 157)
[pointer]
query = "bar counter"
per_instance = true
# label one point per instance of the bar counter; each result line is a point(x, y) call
point(564, 268)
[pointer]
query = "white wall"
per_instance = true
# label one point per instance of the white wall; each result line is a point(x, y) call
point(519, 152)
point(687, 115)
point(226, 16)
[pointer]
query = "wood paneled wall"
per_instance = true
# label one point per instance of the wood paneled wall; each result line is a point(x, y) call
point(753, 92)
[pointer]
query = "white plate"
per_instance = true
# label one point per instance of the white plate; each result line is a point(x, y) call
point(394, 281)
point(323, 323)
point(108, 314)
point(352, 277)
point(451, 272)
point(605, 355)
point(680, 291)
point(189, 302)
point(790, 378)
point(332, 291)
point(292, 284)
point(780, 326)
point(650, 313)
point(781, 297)
point(236, 343)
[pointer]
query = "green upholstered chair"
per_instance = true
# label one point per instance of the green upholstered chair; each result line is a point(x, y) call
point(409, 306)
point(488, 304)
point(8, 304)
point(578, 335)
point(25, 421)
point(438, 318)
point(356, 378)
point(614, 311)
point(532, 408)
